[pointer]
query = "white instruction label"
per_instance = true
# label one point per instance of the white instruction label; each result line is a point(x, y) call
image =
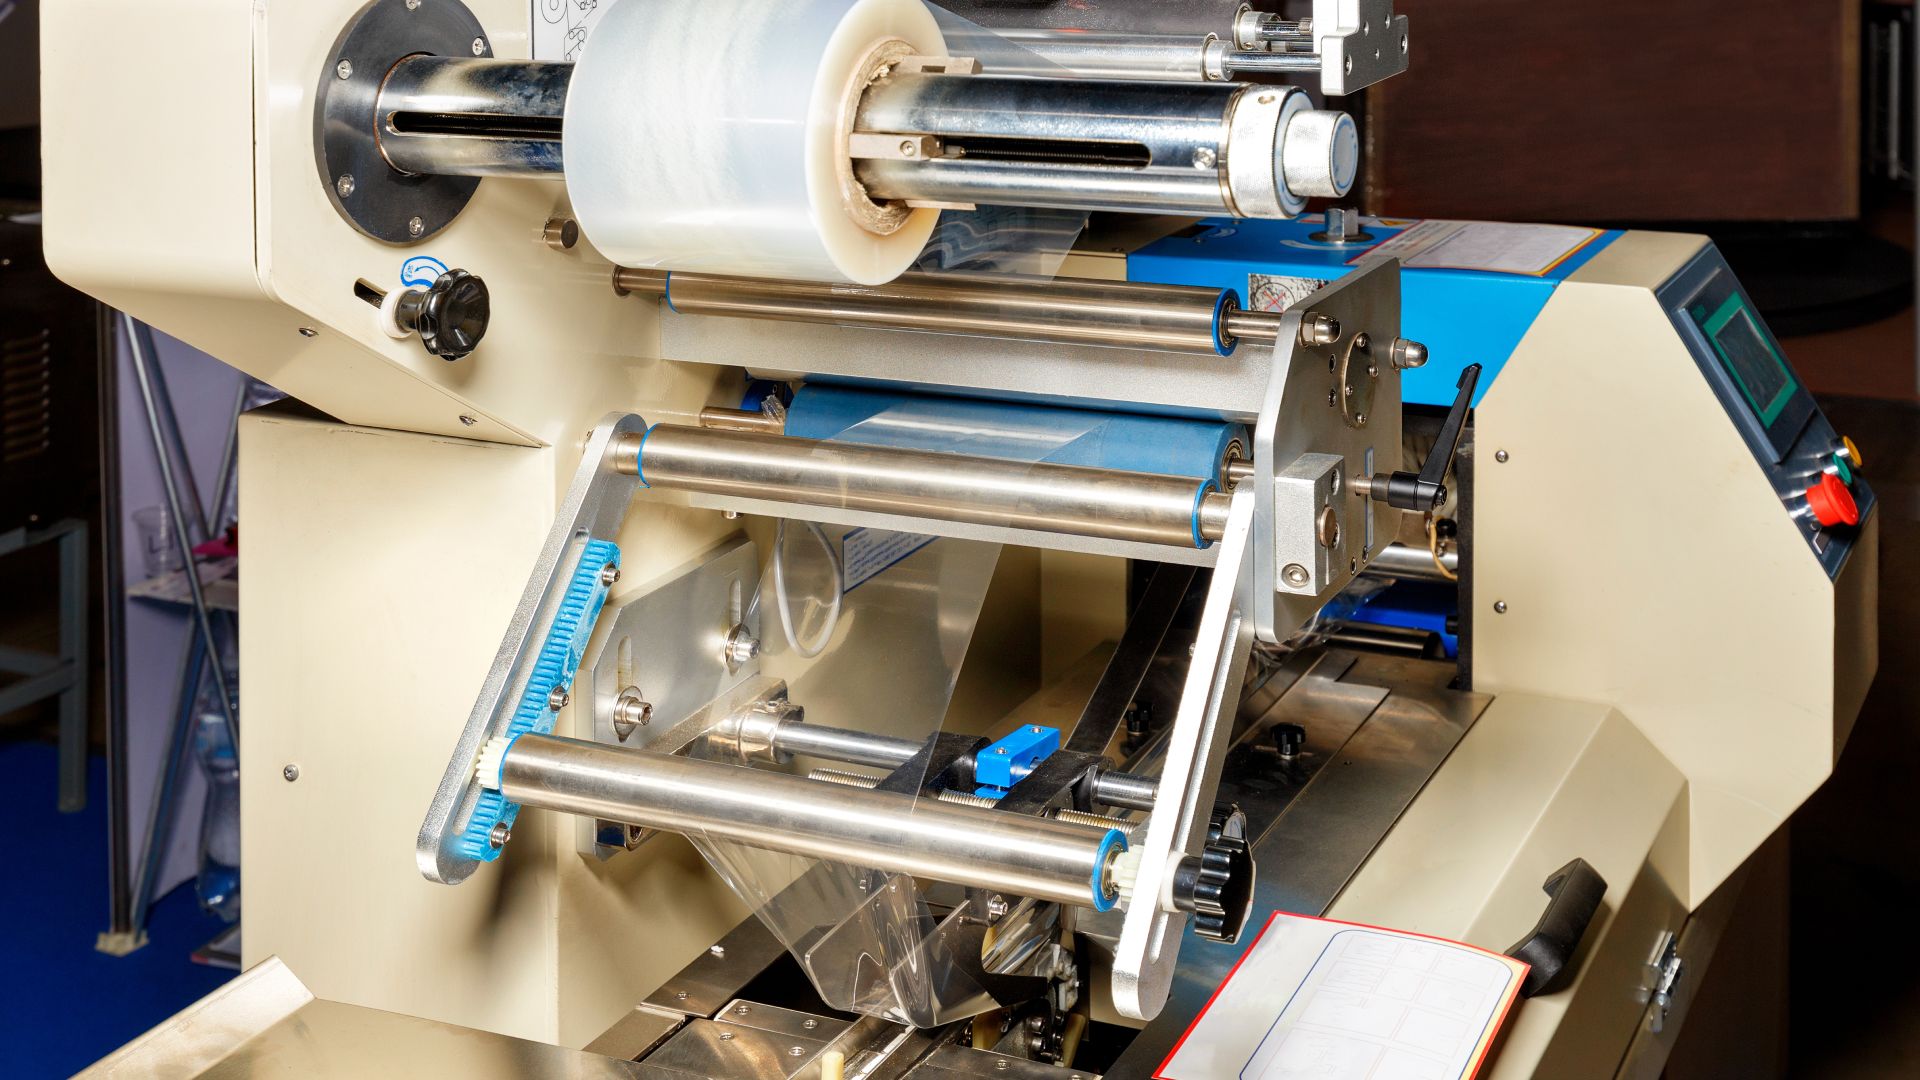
point(868, 553)
point(1498, 247)
point(560, 27)
point(1334, 1001)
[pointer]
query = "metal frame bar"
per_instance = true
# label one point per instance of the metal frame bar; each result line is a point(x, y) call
point(64, 673)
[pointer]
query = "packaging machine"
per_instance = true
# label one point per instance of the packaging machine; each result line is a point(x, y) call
point(863, 538)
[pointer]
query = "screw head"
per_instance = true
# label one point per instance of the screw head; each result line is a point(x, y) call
point(412, 4)
point(479, 46)
point(501, 833)
point(558, 698)
point(610, 576)
point(344, 185)
point(1204, 157)
point(1499, 607)
point(468, 421)
point(344, 69)
point(308, 331)
point(908, 148)
point(1500, 456)
point(290, 773)
point(810, 1024)
point(1296, 575)
point(717, 950)
point(416, 227)
point(795, 1051)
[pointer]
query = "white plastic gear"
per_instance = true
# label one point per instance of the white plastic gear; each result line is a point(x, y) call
point(1126, 870)
point(493, 757)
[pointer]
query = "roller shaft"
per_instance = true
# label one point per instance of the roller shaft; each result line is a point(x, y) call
point(451, 116)
point(1102, 504)
point(1115, 314)
point(1017, 855)
point(885, 752)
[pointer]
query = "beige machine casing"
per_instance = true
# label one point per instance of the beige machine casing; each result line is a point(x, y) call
point(1650, 717)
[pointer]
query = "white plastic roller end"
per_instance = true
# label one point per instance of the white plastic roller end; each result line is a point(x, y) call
point(493, 757)
point(1126, 871)
point(1321, 157)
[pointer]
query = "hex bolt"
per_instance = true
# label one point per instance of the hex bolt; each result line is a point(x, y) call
point(1318, 329)
point(1296, 575)
point(1408, 354)
point(500, 834)
point(290, 773)
point(631, 711)
point(344, 69)
point(558, 698)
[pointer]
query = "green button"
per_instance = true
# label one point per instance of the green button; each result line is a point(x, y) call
point(1842, 469)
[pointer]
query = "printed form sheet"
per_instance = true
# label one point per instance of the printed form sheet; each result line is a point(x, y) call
point(1315, 999)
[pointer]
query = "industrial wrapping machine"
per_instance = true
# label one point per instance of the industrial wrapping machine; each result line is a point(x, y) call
point(861, 524)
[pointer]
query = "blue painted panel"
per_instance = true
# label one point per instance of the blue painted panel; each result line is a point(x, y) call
point(1435, 303)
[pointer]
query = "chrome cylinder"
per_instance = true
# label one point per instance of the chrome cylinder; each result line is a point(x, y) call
point(1113, 314)
point(449, 116)
point(1104, 504)
point(1114, 54)
point(1016, 855)
point(1136, 147)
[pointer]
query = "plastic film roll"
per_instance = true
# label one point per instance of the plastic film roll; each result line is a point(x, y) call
point(1020, 432)
point(707, 135)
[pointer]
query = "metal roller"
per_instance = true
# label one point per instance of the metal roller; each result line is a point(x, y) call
point(1069, 499)
point(1115, 314)
point(1017, 855)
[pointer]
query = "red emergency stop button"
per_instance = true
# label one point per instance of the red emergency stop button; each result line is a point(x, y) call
point(1832, 504)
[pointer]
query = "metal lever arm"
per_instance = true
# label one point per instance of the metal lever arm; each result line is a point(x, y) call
point(1427, 491)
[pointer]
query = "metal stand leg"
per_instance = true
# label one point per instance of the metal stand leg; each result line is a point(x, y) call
point(73, 652)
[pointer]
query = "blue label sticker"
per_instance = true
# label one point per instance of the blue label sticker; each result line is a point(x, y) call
point(421, 272)
point(868, 553)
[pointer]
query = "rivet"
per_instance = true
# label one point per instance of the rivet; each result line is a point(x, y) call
point(1500, 456)
point(1499, 607)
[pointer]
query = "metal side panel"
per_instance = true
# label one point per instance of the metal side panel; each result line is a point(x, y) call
point(267, 1023)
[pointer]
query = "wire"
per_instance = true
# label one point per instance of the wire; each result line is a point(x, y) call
point(819, 644)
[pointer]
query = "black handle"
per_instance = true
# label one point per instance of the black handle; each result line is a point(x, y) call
point(451, 317)
point(1425, 492)
point(1574, 893)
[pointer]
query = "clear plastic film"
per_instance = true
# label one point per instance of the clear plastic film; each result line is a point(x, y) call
point(738, 164)
point(870, 631)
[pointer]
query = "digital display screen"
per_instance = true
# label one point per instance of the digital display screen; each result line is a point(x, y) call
point(1751, 357)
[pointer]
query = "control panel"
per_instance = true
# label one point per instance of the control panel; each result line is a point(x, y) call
point(1814, 469)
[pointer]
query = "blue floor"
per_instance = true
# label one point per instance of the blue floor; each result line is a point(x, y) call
point(63, 1005)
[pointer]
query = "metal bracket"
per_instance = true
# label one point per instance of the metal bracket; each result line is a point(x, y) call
point(595, 505)
point(1298, 439)
point(1361, 42)
point(1307, 523)
point(1664, 970)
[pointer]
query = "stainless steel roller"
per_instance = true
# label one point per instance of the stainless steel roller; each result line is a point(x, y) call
point(1103, 504)
point(1068, 311)
point(1013, 854)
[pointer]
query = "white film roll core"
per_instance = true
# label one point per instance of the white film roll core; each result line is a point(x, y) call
point(705, 135)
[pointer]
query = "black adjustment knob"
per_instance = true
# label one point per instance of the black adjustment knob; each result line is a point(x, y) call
point(1216, 887)
point(450, 317)
point(1289, 739)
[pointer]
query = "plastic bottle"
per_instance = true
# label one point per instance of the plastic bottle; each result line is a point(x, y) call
point(219, 883)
